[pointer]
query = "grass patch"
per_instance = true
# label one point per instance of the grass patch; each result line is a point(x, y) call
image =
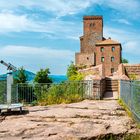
point(121, 103)
point(61, 93)
point(130, 114)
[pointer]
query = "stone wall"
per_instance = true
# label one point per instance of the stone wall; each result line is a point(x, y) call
point(132, 69)
point(93, 73)
point(93, 32)
point(84, 59)
point(93, 23)
point(107, 54)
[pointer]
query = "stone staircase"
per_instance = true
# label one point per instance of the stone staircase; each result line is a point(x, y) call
point(111, 85)
point(111, 89)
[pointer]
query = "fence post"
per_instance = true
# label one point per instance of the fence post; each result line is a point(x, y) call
point(9, 87)
point(131, 93)
point(119, 88)
point(17, 93)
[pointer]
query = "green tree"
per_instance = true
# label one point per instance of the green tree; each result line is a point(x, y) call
point(124, 60)
point(42, 76)
point(73, 74)
point(20, 76)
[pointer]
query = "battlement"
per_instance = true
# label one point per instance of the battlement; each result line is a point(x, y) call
point(92, 17)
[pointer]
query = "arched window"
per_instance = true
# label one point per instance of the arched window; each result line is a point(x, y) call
point(112, 70)
point(112, 58)
point(102, 59)
point(102, 49)
point(113, 49)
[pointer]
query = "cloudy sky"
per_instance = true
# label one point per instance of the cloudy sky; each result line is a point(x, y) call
point(45, 33)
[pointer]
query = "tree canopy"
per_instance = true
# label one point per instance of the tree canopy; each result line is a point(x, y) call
point(73, 74)
point(21, 76)
point(42, 76)
point(124, 60)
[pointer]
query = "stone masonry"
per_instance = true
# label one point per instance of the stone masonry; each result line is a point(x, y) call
point(95, 49)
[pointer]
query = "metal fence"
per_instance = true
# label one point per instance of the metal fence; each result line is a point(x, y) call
point(28, 93)
point(3, 91)
point(130, 94)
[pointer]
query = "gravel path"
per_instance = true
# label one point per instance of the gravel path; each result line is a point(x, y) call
point(86, 120)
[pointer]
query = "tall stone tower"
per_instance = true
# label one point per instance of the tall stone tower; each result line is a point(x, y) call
point(96, 50)
point(92, 33)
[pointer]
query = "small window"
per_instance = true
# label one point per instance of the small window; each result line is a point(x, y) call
point(102, 59)
point(87, 58)
point(91, 24)
point(113, 49)
point(112, 70)
point(112, 59)
point(102, 49)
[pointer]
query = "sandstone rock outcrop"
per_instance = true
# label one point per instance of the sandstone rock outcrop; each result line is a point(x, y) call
point(85, 120)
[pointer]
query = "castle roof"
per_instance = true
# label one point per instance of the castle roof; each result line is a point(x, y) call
point(108, 42)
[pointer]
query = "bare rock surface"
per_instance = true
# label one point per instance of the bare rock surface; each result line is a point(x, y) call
point(86, 120)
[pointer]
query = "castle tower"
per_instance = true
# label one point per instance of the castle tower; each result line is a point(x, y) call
point(92, 33)
point(93, 24)
point(95, 50)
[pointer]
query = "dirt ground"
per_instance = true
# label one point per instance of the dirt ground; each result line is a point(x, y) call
point(86, 120)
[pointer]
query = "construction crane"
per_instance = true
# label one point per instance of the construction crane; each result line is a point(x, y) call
point(9, 66)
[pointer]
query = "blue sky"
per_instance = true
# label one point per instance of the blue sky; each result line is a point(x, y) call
point(45, 33)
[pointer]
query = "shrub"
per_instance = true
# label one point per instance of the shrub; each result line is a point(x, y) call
point(73, 74)
point(62, 93)
point(132, 76)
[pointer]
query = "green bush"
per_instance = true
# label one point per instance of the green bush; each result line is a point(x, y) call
point(62, 93)
point(73, 74)
point(132, 76)
point(42, 76)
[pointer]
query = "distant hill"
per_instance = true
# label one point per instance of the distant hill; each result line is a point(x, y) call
point(58, 78)
point(31, 75)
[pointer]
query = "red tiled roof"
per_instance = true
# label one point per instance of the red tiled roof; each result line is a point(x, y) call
point(107, 42)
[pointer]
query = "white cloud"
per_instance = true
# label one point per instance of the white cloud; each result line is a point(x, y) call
point(122, 21)
point(66, 7)
point(124, 5)
point(129, 39)
point(34, 58)
point(53, 28)
point(132, 47)
point(16, 23)
point(59, 7)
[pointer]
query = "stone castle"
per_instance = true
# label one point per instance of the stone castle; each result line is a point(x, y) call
point(100, 56)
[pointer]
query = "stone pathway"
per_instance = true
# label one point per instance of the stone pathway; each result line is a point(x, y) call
point(111, 95)
point(86, 120)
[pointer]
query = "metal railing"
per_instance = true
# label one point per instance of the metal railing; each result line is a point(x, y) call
point(130, 94)
point(28, 93)
point(3, 91)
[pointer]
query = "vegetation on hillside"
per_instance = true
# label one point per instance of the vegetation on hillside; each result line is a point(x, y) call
point(73, 74)
point(44, 92)
point(65, 92)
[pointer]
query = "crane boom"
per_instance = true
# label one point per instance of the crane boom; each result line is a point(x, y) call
point(9, 66)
